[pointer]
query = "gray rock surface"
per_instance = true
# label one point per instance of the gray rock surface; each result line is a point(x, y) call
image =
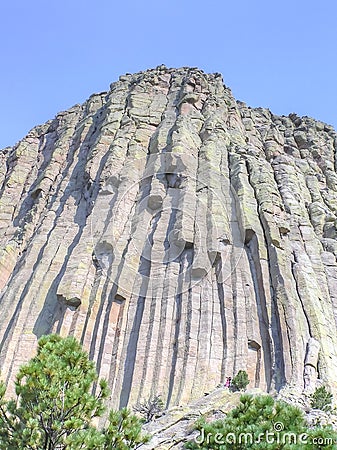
point(179, 234)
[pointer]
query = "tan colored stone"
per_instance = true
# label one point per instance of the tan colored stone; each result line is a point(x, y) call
point(179, 234)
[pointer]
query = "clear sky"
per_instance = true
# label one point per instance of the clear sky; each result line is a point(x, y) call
point(281, 55)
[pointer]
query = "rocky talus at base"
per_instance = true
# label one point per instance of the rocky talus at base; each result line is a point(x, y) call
point(177, 425)
point(179, 234)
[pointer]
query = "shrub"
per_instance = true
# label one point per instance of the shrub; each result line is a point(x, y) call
point(321, 399)
point(240, 381)
point(124, 431)
point(260, 422)
point(151, 408)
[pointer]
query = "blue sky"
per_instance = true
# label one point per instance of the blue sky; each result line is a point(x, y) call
point(281, 55)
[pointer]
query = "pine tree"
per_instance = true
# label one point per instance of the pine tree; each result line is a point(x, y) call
point(123, 431)
point(260, 422)
point(150, 408)
point(240, 381)
point(54, 405)
point(321, 399)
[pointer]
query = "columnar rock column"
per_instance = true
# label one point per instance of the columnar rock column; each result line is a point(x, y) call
point(177, 233)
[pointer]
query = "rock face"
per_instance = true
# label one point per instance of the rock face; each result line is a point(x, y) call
point(177, 233)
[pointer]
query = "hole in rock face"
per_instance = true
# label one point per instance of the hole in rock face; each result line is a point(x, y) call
point(249, 234)
point(176, 180)
point(283, 229)
point(103, 254)
point(36, 193)
point(155, 201)
point(253, 344)
point(189, 97)
point(198, 272)
point(119, 298)
point(188, 245)
point(330, 230)
point(73, 302)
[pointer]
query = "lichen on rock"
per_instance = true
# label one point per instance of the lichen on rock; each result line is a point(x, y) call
point(179, 234)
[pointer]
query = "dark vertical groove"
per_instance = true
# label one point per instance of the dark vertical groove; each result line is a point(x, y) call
point(221, 296)
point(92, 298)
point(277, 375)
point(116, 343)
point(105, 327)
point(178, 300)
point(278, 372)
point(252, 251)
point(186, 345)
point(131, 354)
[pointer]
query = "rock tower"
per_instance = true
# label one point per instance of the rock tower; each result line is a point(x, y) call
point(179, 234)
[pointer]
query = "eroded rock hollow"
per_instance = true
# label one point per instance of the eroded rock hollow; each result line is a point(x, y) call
point(180, 235)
